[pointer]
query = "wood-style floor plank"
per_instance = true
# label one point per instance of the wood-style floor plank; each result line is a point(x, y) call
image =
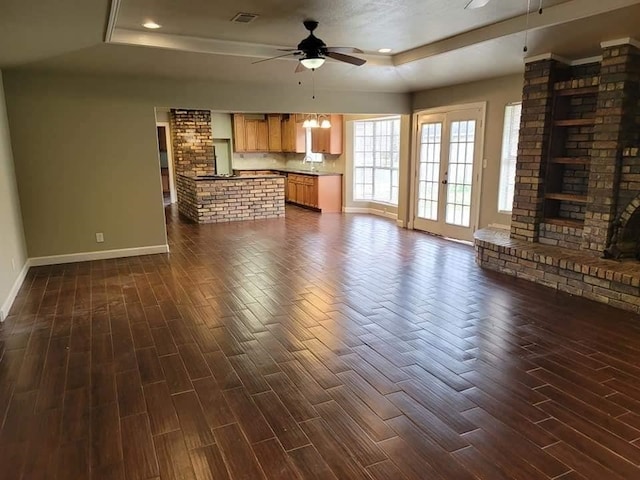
point(323, 347)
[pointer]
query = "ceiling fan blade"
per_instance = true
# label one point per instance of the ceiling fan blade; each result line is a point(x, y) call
point(271, 58)
point(300, 68)
point(344, 50)
point(288, 50)
point(346, 58)
point(476, 4)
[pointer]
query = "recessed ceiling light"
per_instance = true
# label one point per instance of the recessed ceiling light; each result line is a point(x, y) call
point(151, 25)
point(384, 50)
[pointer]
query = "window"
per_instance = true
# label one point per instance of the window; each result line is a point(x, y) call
point(376, 157)
point(509, 156)
point(310, 156)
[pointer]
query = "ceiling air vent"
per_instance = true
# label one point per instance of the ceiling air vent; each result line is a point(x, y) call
point(244, 18)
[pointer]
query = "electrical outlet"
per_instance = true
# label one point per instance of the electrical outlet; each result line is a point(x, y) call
point(99, 237)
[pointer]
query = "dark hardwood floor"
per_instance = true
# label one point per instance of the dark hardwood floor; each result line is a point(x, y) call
point(315, 347)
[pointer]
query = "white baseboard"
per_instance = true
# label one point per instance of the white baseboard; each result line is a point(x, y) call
point(371, 211)
point(8, 302)
point(99, 255)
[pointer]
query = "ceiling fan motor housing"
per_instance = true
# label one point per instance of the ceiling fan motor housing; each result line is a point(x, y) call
point(312, 46)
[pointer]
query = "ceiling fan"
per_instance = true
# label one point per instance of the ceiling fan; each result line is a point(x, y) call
point(312, 51)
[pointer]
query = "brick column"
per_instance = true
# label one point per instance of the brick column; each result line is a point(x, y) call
point(615, 129)
point(192, 142)
point(533, 148)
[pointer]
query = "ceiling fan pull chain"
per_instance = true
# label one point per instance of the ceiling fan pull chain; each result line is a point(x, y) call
point(540, 9)
point(526, 30)
point(313, 83)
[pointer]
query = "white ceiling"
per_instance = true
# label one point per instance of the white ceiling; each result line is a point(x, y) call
point(366, 24)
point(435, 42)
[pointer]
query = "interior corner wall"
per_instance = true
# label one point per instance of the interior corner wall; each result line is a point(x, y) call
point(13, 254)
point(86, 161)
point(497, 92)
point(86, 156)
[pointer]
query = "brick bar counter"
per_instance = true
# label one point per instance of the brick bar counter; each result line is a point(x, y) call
point(212, 199)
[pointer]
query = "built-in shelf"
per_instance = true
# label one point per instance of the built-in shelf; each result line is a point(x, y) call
point(569, 92)
point(571, 160)
point(565, 222)
point(574, 122)
point(566, 197)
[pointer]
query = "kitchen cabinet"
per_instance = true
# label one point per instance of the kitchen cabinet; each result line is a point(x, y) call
point(250, 134)
point(293, 140)
point(274, 122)
point(328, 140)
point(320, 192)
point(256, 135)
point(239, 134)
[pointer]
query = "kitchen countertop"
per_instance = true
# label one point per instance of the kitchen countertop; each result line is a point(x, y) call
point(212, 178)
point(288, 170)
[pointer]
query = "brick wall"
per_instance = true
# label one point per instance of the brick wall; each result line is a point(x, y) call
point(629, 187)
point(192, 142)
point(616, 128)
point(230, 200)
point(535, 130)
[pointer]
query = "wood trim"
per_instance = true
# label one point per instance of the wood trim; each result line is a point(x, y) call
point(575, 122)
point(113, 20)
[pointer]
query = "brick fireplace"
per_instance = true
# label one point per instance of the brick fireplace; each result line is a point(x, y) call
point(576, 219)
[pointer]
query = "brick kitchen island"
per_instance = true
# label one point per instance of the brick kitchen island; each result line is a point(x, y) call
point(216, 199)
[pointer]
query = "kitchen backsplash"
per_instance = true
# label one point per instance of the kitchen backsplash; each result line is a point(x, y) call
point(249, 161)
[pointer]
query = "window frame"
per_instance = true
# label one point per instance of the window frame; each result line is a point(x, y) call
point(394, 171)
point(508, 162)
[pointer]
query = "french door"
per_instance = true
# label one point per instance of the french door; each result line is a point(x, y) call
point(447, 179)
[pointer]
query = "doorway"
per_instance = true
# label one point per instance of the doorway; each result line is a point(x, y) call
point(447, 178)
point(166, 163)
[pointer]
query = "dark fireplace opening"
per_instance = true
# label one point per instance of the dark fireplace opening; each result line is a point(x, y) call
point(625, 240)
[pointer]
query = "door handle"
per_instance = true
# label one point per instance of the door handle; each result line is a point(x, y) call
point(444, 182)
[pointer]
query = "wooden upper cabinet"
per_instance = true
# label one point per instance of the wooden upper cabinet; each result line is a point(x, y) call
point(263, 136)
point(328, 140)
point(275, 132)
point(239, 133)
point(282, 133)
point(292, 135)
point(250, 134)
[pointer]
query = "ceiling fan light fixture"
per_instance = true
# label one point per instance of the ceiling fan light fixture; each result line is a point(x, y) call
point(312, 63)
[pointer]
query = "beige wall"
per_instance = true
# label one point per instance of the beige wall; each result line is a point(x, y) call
point(13, 255)
point(497, 92)
point(86, 161)
point(86, 155)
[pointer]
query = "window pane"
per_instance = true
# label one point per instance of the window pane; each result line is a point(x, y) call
point(509, 156)
point(377, 147)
